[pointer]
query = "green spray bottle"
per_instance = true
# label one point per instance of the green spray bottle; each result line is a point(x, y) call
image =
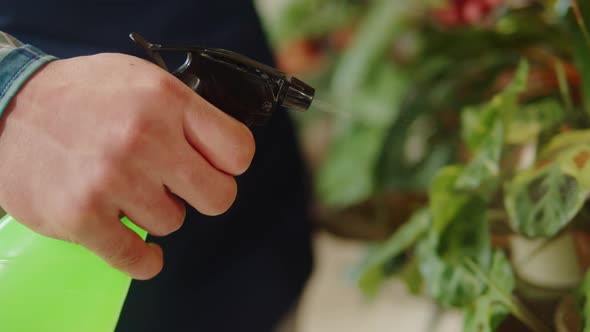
point(52, 285)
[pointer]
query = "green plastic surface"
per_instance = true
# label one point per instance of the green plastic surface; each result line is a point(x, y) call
point(55, 286)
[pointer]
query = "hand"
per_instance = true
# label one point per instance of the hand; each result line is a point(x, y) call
point(90, 139)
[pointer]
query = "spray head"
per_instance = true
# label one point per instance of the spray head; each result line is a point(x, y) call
point(244, 88)
point(299, 95)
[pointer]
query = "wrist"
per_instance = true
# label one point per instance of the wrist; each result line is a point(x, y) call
point(16, 67)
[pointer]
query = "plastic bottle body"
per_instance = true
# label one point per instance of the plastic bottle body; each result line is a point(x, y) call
point(52, 285)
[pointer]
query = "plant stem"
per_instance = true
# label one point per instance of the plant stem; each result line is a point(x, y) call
point(434, 320)
point(497, 215)
point(521, 312)
point(563, 85)
point(381, 212)
point(537, 250)
point(516, 307)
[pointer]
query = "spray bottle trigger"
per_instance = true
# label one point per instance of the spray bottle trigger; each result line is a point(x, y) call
point(191, 80)
point(239, 86)
point(150, 49)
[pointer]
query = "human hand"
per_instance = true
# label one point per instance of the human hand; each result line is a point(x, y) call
point(90, 139)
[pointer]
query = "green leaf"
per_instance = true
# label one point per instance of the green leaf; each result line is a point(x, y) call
point(502, 275)
point(441, 257)
point(446, 202)
point(448, 284)
point(543, 200)
point(467, 235)
point(565, 141)
point(306, 18)
point(411, 276)
point(540, 202)
point(372, 274)
point(583, 299)
point(488, 311)
point(519, 82)
point(418, 143)
point(483, 316)
point(402, 165)
point(346, 176)
point(581, 46)
point(370, 280)
point(483, 129)
point(483, 170)
point(384, 20)
point(476, 121)
point(375, 104)
point(574, 162)
point(532, 119)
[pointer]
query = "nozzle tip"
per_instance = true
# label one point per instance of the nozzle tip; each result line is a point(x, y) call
point(299, 95)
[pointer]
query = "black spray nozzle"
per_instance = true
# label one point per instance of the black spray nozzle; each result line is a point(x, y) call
point(299, 95)
point(244, 88)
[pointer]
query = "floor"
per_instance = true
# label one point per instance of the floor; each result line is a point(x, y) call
point(331, 302)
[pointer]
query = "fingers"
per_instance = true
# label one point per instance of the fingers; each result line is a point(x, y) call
point(121, 248)
point(207, 189)
point(225, 142)
point(155, 210)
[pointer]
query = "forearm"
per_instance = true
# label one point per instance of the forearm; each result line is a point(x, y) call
point(18, 62)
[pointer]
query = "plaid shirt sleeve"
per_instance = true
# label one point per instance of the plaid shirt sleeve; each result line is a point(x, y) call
point(18, 62)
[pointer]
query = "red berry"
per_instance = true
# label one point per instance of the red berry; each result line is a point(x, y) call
point(464, 12)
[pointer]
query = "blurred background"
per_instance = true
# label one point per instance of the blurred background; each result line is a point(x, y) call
point(404, 89)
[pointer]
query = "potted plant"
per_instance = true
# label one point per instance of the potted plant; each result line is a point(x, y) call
point(472, 119)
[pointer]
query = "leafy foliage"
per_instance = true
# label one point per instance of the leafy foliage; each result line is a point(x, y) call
point(459, 230)
point(543, 199)
point(346, 176)
point(488, 119)
point(484, 132)
point(446, 279)
point(373, 272)
point(483, 171)
point(488, 311)
point(534, 119)
point(445, 202)
point(309, 18)
point(581, 41)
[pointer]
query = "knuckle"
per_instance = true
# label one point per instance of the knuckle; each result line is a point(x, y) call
point(191, 175)
point(216, 190)
point(135, 133)
point(170, 221)
point(74, 221)
point(165, 82)
point(90, 199)
point(122, 255)
point(76, 216)
point(157, 86)
point(81, 209)
point(104, 178)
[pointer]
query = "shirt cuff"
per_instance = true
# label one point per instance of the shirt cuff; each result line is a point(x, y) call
point(15, 69)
